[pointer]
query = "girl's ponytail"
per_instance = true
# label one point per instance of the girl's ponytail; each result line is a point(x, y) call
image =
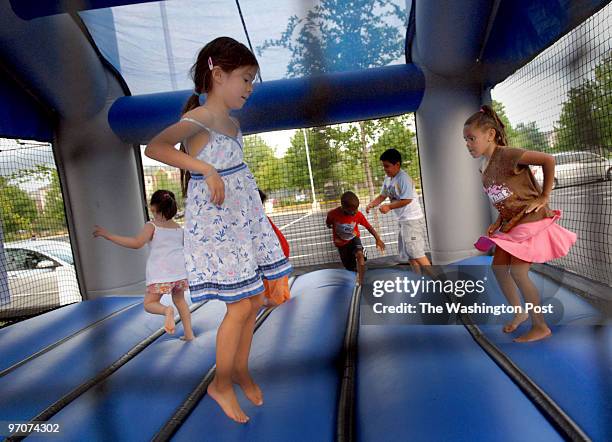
point(192, 103)
point(165, 203)
point(487, 118)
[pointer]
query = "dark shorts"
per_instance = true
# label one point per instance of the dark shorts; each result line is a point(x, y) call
point(348, 252)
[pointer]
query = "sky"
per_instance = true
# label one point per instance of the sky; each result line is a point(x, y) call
point(157, 42)
point(539, 99)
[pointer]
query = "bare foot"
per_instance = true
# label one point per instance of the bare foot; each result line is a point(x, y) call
point(228, 402)
point(534, 334)
point(187, 338)
point(169, 323)
point(518, 319)
point(250, 389)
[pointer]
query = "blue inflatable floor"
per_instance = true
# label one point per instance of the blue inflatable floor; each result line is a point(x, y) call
point(26, 338)
point(574, 366)
point(414, 382)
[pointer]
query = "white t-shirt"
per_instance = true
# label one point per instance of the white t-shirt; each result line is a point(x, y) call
point(401, 187)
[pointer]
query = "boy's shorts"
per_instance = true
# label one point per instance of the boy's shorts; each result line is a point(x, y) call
point(167, 288)
point(348, 252)
point(277, 290)
point(411, 239)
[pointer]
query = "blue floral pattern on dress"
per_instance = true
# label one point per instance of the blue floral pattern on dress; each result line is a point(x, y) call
point(229, 248)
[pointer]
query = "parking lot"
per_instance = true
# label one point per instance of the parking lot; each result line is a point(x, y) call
point(311, 241)
point(587, 210)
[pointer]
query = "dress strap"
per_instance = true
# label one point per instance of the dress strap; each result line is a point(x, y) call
point(234, 121)
point(197, 123)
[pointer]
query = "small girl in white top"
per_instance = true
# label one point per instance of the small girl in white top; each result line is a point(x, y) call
point(166, 264)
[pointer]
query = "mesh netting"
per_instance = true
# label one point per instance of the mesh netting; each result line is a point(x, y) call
point(36, 261)
point(304, 172)
point(561, 103)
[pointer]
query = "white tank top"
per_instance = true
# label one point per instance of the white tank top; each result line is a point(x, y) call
point(166, 261)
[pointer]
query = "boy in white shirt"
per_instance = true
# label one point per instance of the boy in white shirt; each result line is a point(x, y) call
point(399, 188)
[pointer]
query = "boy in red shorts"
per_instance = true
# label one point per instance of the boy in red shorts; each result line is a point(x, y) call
point(343, 221)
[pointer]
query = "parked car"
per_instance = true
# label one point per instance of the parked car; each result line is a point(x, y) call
point(577, 167)
point(40, 275)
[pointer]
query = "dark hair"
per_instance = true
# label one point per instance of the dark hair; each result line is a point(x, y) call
point(349, 200)
point(225, 53)
point(262, 195)
point(164, 202)
point(487, 118)
point(391, 155)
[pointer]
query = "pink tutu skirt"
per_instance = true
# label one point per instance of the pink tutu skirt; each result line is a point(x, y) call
point(539, 241)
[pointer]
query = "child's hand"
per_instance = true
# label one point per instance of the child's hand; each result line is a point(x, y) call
point(385, 208)
point(380, 245)
point(368, 208)
point(537, 204)
point(100, 231)
point(217, 188)
point(493, 227)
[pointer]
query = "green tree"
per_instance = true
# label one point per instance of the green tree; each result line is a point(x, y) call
point(586, 115)
point(377, 136)
point(525, 135)
point(500, 110)
point(164, 182)
point(268, 170)
point(18, 209)
point(332, 37)
point(529, 136)
point(325, 162)
point(54, 216)
point(395, 133)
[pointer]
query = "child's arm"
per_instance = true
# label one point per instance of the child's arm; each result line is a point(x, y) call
point(380, 245)
point(328, 222)
point(364, 222)
point(135, 242)
point(161, 148)
point(394, 205)
point(547, 162)
point(375, 202)
point(496, 225)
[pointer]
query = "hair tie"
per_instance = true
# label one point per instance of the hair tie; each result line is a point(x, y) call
point(482, 110)
point(210, 63)
point(196, 93)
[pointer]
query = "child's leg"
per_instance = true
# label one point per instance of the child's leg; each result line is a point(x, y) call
point(347, 256)
point(403, 254)
point(360, 266)
point(221, 388)
point(423, 265)
point(519, 270)
point(501, 270)
point(413, 245)
point(152, 305)
point(178, 298)
point(241, 375)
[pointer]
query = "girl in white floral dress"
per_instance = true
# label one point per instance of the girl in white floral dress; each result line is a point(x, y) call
point(231, 252)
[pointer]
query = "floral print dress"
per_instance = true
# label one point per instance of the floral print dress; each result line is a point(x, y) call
point(229, 249)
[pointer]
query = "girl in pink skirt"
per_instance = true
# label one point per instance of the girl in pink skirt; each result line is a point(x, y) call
point(526, 230)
